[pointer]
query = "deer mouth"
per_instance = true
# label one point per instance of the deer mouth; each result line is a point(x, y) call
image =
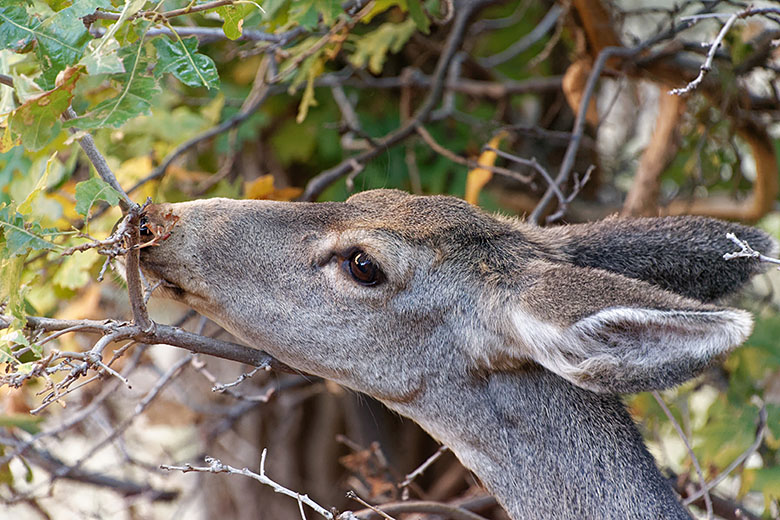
point(159, 277)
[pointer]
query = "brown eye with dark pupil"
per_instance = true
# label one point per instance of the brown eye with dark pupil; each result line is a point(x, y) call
point(363, 269)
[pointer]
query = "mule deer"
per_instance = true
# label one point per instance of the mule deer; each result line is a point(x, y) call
point(507, 342)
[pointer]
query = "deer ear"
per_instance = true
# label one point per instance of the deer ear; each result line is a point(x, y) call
point(608, 333)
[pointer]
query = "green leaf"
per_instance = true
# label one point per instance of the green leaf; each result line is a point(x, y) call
point(374, 46)
point(91, 191)
point(84, 7)
point(60, 38)
point(728, 432)
point(418, 15)
point(10, 289)
point(16, 28)
point(182, 59)
point(37, 121)
point(233, 18)
point(307, 17)
point(20, 236)
point(103, 59)
point(329, 9)
point(134, 99)
point(272, 7)
point(129, 9)
point(26, 422)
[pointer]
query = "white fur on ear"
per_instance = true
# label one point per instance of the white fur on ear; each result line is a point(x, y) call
point(626, 349)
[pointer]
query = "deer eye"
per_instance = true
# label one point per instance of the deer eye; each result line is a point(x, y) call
point(362, 268)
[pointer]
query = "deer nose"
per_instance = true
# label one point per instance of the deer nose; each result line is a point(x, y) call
point(156, 223)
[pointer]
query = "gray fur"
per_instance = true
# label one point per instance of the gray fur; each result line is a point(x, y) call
point(505, 341)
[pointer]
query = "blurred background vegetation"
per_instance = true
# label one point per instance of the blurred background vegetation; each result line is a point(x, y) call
point(317, 99)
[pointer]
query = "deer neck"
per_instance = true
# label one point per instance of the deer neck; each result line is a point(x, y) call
point(546, 448)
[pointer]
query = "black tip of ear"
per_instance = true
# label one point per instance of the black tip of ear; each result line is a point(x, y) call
point(683, 255)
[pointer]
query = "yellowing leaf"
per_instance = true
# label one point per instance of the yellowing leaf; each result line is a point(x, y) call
point(74, 271)
point(37, 121)
point(765, 480)
point(380, 6)
point(313, 70)
point(573, 86)
point(25, 208)
point(183, 174)
point(7, 140)
point(135, 169)
point(478, 177)
point(259, 188)
point(262, 188)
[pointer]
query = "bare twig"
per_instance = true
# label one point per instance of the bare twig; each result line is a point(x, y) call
point(420, 506)
point(157, 16)
point(216, 466)
point(436, 147)
point(707, 65)
point(324, 179)
point(746, 251)
point(579, 183)
point(422, 467)
point(579, 125)
point(352, 495)
point(116, 331)
point(524, 43)
point(133, 270)
point(534, 165)
point(125, 488)
point(760, 432)
point(696, 465)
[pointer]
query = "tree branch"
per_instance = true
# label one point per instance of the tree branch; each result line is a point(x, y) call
point(579, 127)
point(324, 179)
point(99, 162)
point(216, 466)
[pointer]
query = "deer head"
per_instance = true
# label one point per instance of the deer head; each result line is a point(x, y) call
point(401, 296)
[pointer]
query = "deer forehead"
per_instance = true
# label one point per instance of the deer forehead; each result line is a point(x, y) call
point(391, 227)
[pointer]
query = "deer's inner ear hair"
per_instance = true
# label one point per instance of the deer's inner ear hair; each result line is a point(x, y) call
point(362, 268)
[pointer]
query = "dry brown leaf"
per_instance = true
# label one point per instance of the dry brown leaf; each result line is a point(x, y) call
point(573, 85)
